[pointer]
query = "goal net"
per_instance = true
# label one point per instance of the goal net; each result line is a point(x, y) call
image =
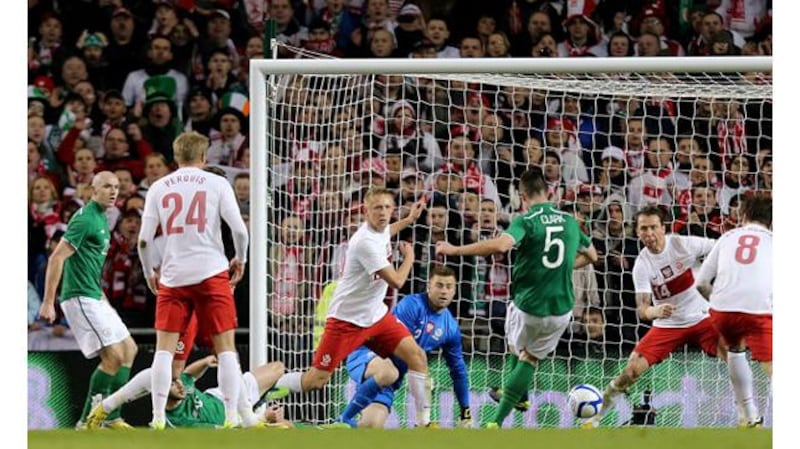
point(690, 142)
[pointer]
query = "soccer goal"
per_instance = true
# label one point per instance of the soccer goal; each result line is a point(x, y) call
point(610, 134)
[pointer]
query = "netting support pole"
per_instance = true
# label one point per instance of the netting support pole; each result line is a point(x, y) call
point(258, 214)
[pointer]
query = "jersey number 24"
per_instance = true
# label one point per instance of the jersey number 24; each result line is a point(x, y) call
point(196, 214)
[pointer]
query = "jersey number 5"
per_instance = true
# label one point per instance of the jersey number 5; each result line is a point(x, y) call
point(747, 250)
point(549, 243)
point(195, 216)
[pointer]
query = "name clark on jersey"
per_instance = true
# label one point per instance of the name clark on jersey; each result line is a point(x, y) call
point(172, 180)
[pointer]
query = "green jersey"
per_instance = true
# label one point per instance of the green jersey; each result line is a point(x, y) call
point(89, 235)
point(197, 409)
point(547, 240)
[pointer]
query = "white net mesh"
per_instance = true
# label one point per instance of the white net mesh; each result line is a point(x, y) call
point(608, 144)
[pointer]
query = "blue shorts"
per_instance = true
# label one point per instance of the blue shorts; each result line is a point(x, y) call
point(357, 363)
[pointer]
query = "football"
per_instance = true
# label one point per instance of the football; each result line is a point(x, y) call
point(585, 401)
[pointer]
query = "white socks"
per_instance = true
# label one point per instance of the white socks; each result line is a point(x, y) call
point(137, 387)
point(245, 407)
point(292, 381)
point(161, 378)
point(229, 380)
point(416, 386)
point(742, 382)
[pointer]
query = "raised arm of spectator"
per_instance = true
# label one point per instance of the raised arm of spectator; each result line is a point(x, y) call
point(413, 215)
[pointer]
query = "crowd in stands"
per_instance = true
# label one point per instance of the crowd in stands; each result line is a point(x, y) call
point(111, 83)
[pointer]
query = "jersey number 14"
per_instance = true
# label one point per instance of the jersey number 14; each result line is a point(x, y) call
point(196, 214)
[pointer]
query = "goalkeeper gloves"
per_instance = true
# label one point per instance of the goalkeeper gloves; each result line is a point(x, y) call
point(465, 422)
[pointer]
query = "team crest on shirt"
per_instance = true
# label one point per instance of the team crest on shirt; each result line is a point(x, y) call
point(667, 271)
point(679, 266)
point(429, 327)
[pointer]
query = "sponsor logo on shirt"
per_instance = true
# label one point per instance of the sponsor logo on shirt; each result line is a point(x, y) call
point(667, 272)
point(326, 360)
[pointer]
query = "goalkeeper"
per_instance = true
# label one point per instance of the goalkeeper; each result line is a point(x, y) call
point(433, 327)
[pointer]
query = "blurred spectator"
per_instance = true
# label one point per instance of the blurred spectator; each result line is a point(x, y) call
point(611, 175)
point(383, 44)
point(320, 39)
point(560, 136)
point(656, 185)
point(738, 177)
point(217, 35)
point(114, 111)
point(92, 46)
point(439, 33)
point(620, 44)
point(419, 149)
point(498, 45)
point(160, 116)
point(44, 205)
point(544, 46)
point(155, 168)
point(471, 47)
point(493, 292)
point(653, 23)
point(343, 24)
point(219, 76)
point(159, 56)
point(410, 28)
point(121, 151)
point(745, 17)
point(582, 33)
point(289, 30)
point(123, 280)
point(124, 46)
point(200, 115)
point(47, 51)
point(648, 45)
point(705, 219)
point(290, 269)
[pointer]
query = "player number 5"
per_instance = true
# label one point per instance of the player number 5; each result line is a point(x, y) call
point(549, 243)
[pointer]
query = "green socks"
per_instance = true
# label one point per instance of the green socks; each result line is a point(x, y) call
point(123, 374)
point(100, 383)
point(516, 386)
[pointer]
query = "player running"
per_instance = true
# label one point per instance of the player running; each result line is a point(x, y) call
point(550, 245)
point(740, 266)
point(665, 293)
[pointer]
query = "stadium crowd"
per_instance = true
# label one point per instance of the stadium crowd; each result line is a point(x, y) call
point(113, 82)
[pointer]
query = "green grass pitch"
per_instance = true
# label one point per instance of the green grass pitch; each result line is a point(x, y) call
point(645, 438)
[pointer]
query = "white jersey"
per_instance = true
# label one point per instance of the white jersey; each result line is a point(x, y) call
point(669, 277)
point(188, 205)
point(359, 295)
point(741, 262)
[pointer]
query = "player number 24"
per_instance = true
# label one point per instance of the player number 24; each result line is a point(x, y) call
point(549, 242)
point(195, 216)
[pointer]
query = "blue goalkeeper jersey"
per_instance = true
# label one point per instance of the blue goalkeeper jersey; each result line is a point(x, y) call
point(431, 330)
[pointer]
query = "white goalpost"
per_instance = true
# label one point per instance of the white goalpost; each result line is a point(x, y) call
point(324, 130)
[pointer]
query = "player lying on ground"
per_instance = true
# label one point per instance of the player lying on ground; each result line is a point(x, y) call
point(433, 327)
point(550, 244)
point(186, 405)
point(358, 315)
point(665, 293)
point(740, 266)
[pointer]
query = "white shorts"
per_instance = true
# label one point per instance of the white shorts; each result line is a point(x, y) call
point(94, 323)
point(535, 334)
point(250, 384)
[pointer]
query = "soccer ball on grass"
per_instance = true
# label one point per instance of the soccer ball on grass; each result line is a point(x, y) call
point(585, 401)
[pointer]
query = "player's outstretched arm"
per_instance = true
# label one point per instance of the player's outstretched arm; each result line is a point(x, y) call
point(413, 215)
point(498, 245)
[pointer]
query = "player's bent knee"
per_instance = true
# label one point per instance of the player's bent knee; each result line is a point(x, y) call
point(276, 367)
point(112, 357)
point(386, 374)
point(315, 379)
